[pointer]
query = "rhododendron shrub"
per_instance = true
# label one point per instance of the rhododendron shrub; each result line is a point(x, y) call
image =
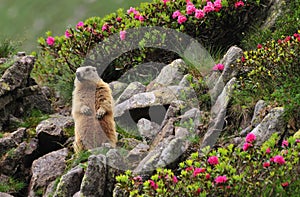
point(216, 24)
point(227, 171)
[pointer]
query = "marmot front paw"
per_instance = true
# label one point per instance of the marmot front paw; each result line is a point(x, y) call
point(86, 110)
point(100, 113)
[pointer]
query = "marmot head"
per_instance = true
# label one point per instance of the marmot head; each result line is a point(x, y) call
point(87, 74)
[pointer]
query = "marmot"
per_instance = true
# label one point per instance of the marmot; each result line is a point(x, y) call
point(92, 110)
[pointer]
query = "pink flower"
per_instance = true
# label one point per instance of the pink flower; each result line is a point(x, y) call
point(297, 141)
point(190, 8)
point(285, 184)
point(198, 191)
point(250, 137)
point(298, 39)
point(246, 146)
point(141, 18)
point(105, 27)
point(119, 19)
point(259, 46)
point(176, 14)
point(189, 168)
point(279, 41)
point(153, 185)
point(50, 41)
point(67, 34)
point(213, 160)
point(219, 67)
point(181, 19)
point(131, 10)
point(137, 178)
point(175, 180)
point(165, 1)
point(285, 143)
point(207, 176)
point(209, 7)
point(268, 151)
point(199, 14)
point(122, 35)
point(239, 4)
point(296, 35)
point(217, 5)
point(79, 25)
point(266, 164)
point(288, 38)
point(198, 171)
point(221, 179)
point(279, 159)
point(243, 59)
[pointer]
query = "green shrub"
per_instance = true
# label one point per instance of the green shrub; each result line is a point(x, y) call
point(267, 170)
point(272, 73)
point(61, 55)
point(287, 23)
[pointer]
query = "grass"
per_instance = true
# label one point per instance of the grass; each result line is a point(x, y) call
point(12, 185)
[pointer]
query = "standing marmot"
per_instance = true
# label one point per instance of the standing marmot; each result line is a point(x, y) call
point(92, 111)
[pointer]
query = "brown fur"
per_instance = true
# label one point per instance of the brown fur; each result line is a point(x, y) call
point(89, 131)
point(104, 111)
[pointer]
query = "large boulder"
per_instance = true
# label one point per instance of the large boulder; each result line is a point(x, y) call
point(46, 169)
point(19, 93)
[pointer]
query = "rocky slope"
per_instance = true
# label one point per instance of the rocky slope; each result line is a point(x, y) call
point(162, 120)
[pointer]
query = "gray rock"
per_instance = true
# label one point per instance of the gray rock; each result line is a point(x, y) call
point(272, 123)
point(274, 11)
point(50, 189)
point(117, 88)
point(128, 143)
point(19, 93)
point(12, 140)
point(149, 163)
point(137, 154)
point(94, 180)
point(132, 89)
point(191, 119)
point(46, 169)
point(218, 113)
point(172, 152)
point(257, 117)
point(5, 195)
point(181, 132)
point(165, 132)
point(70, 182)
point(115, 166)
point(51, 132)
point(228, 60)
point(169, 75)
point(147, 129)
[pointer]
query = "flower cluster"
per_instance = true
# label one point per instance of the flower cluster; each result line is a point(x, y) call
point(212, 175)
point(198, 13)
point(136, 14)
point(249, 140)
point(218, 67)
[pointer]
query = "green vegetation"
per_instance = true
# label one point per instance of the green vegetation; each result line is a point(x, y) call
point(61, 55)
point(33, 119)
point(267, 170)
point(12, 186)
point(7, 48)
point(287, 23)
point(272, 73)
